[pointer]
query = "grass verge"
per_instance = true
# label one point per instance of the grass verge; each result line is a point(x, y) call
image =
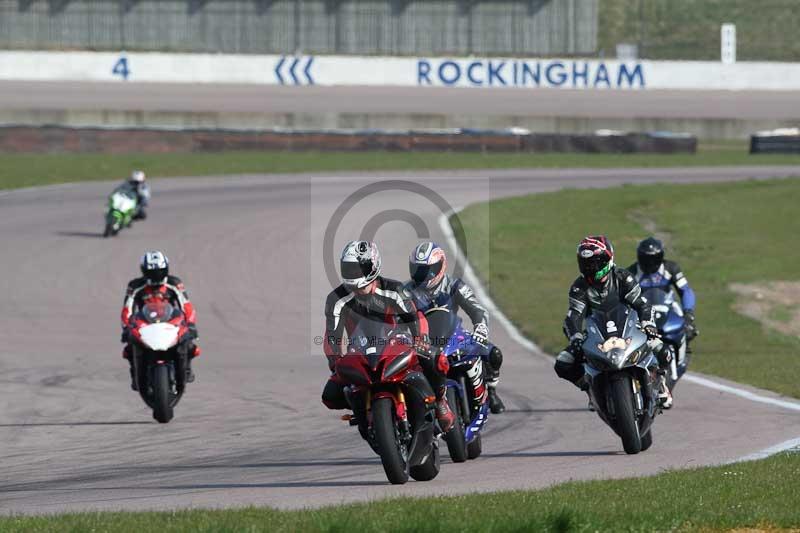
point(28, 170)
point(743, 232)
point(760, 494)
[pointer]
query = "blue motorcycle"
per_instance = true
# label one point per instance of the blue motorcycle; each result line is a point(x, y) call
point(671, 325)
point(466, 389)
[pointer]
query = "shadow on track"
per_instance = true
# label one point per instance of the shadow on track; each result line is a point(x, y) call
point(556, 410)
point(60, 424)
point(87, 234)
point(549, 454)
point(273, 464)
point(205, 486)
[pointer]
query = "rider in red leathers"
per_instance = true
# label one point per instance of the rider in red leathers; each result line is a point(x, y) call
point(156, 283)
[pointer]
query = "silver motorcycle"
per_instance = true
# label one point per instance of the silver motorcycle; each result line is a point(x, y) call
point(622, 373)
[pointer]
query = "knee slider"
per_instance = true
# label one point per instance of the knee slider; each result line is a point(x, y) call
point(496, 358)
point(566, 368)
point(333, 396)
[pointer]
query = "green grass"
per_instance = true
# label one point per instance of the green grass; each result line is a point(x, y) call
point(756, 494)
point(720, 234)
point(689, 29)
point(27, 170)
point(781, 313)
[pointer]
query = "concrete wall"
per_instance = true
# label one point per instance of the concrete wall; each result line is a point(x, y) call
point(392, 71)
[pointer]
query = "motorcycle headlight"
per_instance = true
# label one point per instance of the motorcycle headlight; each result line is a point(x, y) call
point(617, 357)
point(614, 348)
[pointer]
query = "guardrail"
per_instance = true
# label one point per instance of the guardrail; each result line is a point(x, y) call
point(49, 139)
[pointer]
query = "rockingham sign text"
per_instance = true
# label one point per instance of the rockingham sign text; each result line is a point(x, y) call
point(520, 73)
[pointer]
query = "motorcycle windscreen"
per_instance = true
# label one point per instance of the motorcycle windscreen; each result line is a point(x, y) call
point(122, 202)
point(371, 337)
point(158, 311)
point(613, 334)
point(441, 325)
point(611, 322)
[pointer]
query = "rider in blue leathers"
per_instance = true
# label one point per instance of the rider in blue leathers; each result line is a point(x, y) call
point(430, 286)
point(651, 270)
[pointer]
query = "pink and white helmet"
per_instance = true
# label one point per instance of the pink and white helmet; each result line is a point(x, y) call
point(427, 265)
point(360, 264)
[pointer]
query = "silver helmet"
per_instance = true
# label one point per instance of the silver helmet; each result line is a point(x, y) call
point(360, 264)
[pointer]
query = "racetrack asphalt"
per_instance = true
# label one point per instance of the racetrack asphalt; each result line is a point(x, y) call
point(251, 430)
point(240, 98)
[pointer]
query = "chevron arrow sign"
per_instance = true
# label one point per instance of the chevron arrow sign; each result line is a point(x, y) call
point(291, 70)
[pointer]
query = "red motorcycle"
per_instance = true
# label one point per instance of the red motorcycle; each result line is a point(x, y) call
point(392, 401)
point(160, 353)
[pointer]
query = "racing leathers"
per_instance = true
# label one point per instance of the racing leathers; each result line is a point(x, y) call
point(455, 294)
point(139, 292)
point(388, 302)
point(621, 286)
point(669, 275)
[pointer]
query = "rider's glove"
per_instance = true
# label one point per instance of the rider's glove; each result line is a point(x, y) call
point(481, 334)
point(650, 330)
point(422, 345)
point(576, 344)
point(691, 329)
point(125, 336)
point(193, 331)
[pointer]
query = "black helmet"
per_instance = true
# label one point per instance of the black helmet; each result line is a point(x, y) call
point(155, 267)
point(650, 255)
point(595, 259)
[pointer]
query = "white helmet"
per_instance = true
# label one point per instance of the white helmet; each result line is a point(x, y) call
point(155, 267)
point(138, 176)
point(360, 264)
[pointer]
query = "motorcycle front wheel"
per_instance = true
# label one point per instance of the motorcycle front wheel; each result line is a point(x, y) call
point(387, 438)
point(162, 406)
point(455, 437)
point(627, 426)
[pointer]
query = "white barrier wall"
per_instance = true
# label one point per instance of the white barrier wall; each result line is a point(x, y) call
point(396, 71)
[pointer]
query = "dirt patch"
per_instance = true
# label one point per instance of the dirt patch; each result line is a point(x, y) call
point(775, 304)
point(650, 226)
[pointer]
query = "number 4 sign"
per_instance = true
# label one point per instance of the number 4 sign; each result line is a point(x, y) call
point(121, 68)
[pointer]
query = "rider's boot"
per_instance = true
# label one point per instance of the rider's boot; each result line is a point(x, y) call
point(189, 372)
point(133, 380)
point(664, 394)
point(194, 351)
point(496, 405)
point(127, 356)
point(444, 415)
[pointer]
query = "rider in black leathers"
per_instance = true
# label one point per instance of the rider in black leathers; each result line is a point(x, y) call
point(601, 281)
point(365, 295)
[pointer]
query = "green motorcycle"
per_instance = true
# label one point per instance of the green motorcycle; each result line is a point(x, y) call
point(120, 212)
